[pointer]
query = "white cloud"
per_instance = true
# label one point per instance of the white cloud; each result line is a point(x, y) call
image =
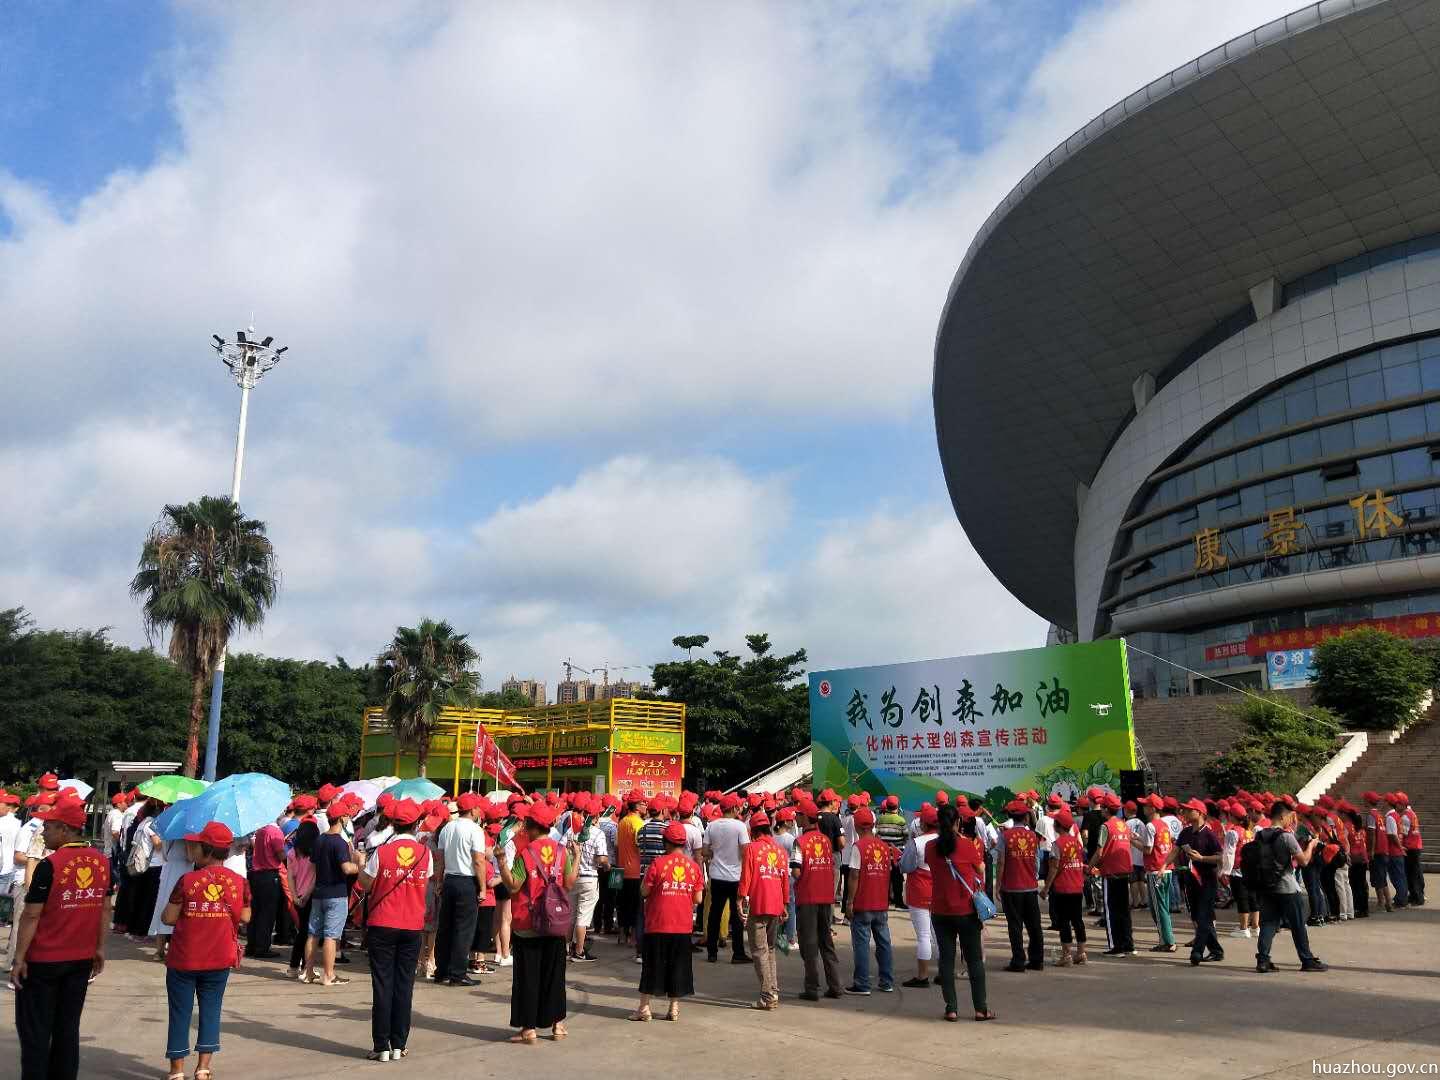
point(625, 226)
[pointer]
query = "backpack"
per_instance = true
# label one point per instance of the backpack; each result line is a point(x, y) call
point(137, 859)
point(550, 911)
point(1265, 860)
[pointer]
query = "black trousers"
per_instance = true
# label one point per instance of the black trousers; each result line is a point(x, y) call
point(264, 905)
point(629, 904)
point(1117, 913)
point(605, 910)
point(1327, 886)
point(1069, 917)
point(1202, 910)
point(459, 908)
point(1414, 877)
point(393, 956)
point(722, 893)
point(47, 1019)
point(1360, 887)
point(1022, 920)
point(302, 935)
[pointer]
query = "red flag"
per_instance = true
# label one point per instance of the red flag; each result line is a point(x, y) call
point(491, 760)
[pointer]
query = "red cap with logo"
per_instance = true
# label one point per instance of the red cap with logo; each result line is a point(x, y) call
point(864, 818)
point(404, 812)
point(675, 833)
point(49, 782)
point(67, 809)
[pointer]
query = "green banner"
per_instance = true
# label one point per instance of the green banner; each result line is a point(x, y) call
point(632, 741)
point(1054, 719)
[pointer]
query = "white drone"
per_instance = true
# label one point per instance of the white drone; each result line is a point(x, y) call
point(1101, 710)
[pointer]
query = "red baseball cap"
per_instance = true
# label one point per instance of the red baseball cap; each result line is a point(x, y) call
point(864, 818)
point(1130, 805)
point(929, 816)
point(404, 812)
point(1171, 802)
point(1112, 802)
point(855, 801)
point(1083, 802)
point(729, 801)
point(808, 808)
point(1055, 800)
point(1017, 806)
point(828, 795)
point(892, 802)
point(469, 800)
point(785, 813)
point(542, 814)
point(675, 833)
point(328, 792)
point(1063, 819)
point(70, 811)
point(384, 800)
point(49, 782)
point(941, 798)
point(215, 834)
point(1194, 804)
point(758, 820)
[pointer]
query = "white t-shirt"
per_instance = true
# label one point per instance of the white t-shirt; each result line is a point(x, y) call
point(1141, 832)
point(114, 817)
point(460, 840)
point(592, 849)
point(9, 833)
point(725, 837)
point(1392, 823)
point(1045, 828)
point(694, 840)
point(850, 857)
point(128, 818)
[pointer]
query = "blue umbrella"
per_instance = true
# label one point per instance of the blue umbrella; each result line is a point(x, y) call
point(418, 789)
point(243, 802)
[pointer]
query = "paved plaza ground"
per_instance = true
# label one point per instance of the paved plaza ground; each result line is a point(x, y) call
point(1153, 1015)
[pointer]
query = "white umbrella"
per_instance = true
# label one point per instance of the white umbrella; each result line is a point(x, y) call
point(80, 787)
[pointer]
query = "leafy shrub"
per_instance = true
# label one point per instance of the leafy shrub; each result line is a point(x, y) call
point(1373, 679)
point(1281, 750)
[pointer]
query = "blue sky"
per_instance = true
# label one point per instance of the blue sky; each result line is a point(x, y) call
point(606, 324)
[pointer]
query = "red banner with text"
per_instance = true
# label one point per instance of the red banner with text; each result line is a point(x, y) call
point(1406, 626)
point(651, 773)
point(491, 760)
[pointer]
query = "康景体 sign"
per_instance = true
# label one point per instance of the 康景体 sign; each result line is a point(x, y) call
point(1054, 719)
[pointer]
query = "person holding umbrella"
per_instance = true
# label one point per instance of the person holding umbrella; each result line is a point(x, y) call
point(207, 908)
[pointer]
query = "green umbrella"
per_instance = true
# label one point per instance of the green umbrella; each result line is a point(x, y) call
point(418, 789)
point(169, 788)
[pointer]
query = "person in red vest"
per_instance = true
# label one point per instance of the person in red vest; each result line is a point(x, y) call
point(764, 891)
point(1065, 882)
point(1112, 863)
point(813, 862)
point(207, 908)
point(537, 992)
point(397, 879)
point(1359, 859)
point(957, 872)
point(869, 908)
point(1155, 842)
point(1399, 884)
point(673, 887)
point(1411, 845)
point(61, 944)
point(1379, 847)
point(1016, 871)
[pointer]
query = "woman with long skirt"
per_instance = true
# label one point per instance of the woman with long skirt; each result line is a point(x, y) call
point(671, 890)
point(537, 992)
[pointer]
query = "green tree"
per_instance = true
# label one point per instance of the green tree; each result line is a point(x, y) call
point(422, 670)
point(1373, 679)
point(1428, 650)
point(206, 570)
point(689, 642)
point(741, 715)
point(1280, 751)
point(502, 699)
point(294, 719)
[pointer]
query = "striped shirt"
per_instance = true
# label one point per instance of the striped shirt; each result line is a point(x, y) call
point(651, 842)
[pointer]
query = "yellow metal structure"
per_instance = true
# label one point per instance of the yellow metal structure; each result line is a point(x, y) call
point(620, 725)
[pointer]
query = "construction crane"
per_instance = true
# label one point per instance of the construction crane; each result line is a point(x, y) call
point(576, 667)
point(603, 670)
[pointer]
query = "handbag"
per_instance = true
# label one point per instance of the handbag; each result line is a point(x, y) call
point(615, 880)
point(984, 906)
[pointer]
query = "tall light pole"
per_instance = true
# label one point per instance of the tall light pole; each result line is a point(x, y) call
point(248, 360)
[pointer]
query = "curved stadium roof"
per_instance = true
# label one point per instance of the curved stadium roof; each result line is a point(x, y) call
point(1301, 144)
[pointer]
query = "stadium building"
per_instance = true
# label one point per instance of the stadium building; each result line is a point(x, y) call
point(1187, 379)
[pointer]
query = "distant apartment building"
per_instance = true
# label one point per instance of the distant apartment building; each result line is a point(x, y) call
point(571, 691)
point(622, 689)
point(532, 689)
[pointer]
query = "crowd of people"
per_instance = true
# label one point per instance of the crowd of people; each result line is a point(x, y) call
point(454, 890)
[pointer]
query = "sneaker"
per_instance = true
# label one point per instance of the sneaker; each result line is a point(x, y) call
point(741, 960)
point(639, 959)
point(584, 958)
point(808, 995)
point(1264, 967)
point(886, 989)
point(855, 991)
point(508, 961)
point(1245, 933)
point(832, 994)
point(1315, 965)
point(1164, 948)
point(1014, 967)
point(1034, 967)
point(1115, 952)
point(917, 981)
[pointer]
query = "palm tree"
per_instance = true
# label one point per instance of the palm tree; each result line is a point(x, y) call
point(424, 669)
point(205, 571)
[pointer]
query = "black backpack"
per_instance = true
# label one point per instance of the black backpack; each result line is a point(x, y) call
point(1265, 860)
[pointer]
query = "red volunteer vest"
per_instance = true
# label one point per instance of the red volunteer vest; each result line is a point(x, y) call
point(917, 882)
point(69, 927)
point(816, 883)
point(764, 877)
point(1070, 854)
point(1018, 874)
point(1412, 841)
point(1359, 849)
point(1116, 860)
point(543, 858)
point(397, 895)
point(1160, 850)
point(1376, 821)
point(1392, 843)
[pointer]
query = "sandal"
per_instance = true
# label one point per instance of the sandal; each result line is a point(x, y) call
point(988, 1014)
point(528, 1037)
point(641, 1016)
point(952, 1017)
point(558, 1032)
point(674, 1013)
point(337, 981)
point(207, 1072)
